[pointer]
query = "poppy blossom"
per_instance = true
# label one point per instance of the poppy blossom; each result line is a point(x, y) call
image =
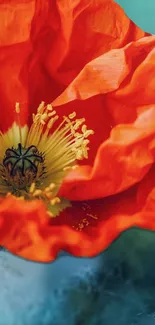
point(76, 184)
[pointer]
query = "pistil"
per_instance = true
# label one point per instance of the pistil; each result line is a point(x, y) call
point(34, 160)
point(22, 166)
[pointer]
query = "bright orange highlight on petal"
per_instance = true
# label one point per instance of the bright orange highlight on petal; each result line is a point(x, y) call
point(128, 153)
point(43, 47)
point(121, 161)
point(79, 31)
point(66, 35)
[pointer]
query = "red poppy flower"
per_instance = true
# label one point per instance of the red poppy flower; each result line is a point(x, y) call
point(90, 67)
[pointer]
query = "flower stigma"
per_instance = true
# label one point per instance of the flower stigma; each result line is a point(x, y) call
point(21, 166)
point(34, 161)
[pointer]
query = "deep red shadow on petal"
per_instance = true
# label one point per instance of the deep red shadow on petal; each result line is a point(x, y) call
point(97, 119)
point(12, 89)
point(115, 215)
point(67, 38)
point(85, 230)
point(121, 161)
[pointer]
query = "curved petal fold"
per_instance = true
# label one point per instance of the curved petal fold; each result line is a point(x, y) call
point(26, 232)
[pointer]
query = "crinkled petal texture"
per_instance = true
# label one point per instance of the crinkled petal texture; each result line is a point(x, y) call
point(83, 230)
point(15, 47)
point(81, 46)
point(65, 36)
point(43, 47)
point(123, 80)
point(21, 224)
point(77, 32)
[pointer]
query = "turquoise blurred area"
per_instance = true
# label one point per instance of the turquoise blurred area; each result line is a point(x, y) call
point(116, 287)
point(142, 12)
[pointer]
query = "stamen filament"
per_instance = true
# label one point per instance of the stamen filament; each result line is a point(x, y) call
point(34, 161)
point(17, 108)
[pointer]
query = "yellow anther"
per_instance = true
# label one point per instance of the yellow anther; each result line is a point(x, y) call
point(49, 107)
point(52, 186)
point(17, 108)
point(37, 192)
point(55, 200)
point(75, 167)
point(48, 195)
point(88, 132)
point(67, 168)
point(41, 106)
point(84, 128)
point(44, 116)
point(47, 189)
point(72, 115)
point(51, 114)
point(32, 187)
point(50, 214)
point(52, 121)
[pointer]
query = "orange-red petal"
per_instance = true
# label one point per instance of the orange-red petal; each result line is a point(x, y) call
point(67, 35)
point(20, 224)
point(26, 231)
point(117, 164)
point(120, 73)
point(43, 47)
point(121, 161)
point(61, 48)
point(15, 47)
point(11, 88)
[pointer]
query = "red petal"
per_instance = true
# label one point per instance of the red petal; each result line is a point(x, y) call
point(66, 36)
point(20, 223)
point(121, 161)
point(117, 164)
point(56, 36)
point(146, 218)
point(15, 23)
point(146, 186)
point(115, 215)
point(25, 230)
point(11, 88)
point(113, 71)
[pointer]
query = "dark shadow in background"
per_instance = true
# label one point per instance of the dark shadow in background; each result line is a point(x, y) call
point(117, 287)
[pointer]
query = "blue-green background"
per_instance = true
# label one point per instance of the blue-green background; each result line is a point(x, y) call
point(142, 12)
point(117, 287)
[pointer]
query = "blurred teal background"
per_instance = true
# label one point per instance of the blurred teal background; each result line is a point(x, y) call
point(142, 12)
point(114, 288)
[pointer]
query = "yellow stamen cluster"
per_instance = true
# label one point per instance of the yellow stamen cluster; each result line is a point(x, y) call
point(59, 151)
point(45, 194)
point(62, 147)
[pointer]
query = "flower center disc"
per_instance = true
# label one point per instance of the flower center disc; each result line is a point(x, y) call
point(22, 166)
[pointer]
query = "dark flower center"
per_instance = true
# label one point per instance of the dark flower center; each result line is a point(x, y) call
point(22, 165)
